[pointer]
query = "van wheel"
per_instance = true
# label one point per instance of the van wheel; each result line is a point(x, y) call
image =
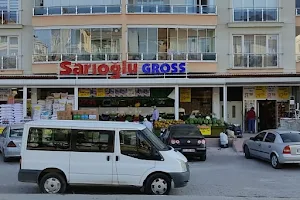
point(53, 183)
point(158, 184)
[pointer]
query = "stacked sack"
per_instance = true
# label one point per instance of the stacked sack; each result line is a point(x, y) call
point(7, 114)
point(18, 112)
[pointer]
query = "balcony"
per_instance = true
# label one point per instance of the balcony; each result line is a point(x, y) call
point(251, 60)
point(199, 57)
point(256, 14)
point(171, 9)
point(297, 11)
point(9, 17)
point(54, 58)
point(77, 10)
point(9, 62)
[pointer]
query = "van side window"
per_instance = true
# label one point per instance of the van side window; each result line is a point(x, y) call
point(94, 141)
point(49, 139)
point(135, 145)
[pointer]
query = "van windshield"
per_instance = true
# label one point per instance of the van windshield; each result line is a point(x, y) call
point(159, 145)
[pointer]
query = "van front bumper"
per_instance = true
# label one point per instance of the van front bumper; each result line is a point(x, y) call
point(181, 179)
point(28, 175)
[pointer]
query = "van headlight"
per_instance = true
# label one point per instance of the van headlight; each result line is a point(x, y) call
point(183, 165)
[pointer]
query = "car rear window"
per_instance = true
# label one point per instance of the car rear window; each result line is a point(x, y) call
point(185, 131)
point(16, 132)
point(290, 137)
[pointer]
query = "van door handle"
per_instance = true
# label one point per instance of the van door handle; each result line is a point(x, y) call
point(117, 158)
point(269, 146)
point(107, 158)
point(259, 144)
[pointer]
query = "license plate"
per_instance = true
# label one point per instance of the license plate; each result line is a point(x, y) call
point(188, 150)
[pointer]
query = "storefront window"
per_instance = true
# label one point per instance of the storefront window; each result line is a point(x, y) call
point(200, 102)
point(171, 44)
point(77, 44)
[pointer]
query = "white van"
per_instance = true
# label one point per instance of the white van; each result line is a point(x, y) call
point(56, 154)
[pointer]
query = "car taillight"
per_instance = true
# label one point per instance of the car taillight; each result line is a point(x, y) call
point(11, 144)
point(287, 150)
point(177, 142)
point(202, 142)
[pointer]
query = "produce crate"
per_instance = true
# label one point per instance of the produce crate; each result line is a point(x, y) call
point(216, 130)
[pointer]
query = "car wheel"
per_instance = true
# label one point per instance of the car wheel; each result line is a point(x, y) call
point(275, 162)
point(53, 183)
point(5, 159)
point(203, 158)
point(247, 152)
point(158, 184)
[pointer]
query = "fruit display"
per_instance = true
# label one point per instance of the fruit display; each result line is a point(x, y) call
point(166, 123)
point(205, 121)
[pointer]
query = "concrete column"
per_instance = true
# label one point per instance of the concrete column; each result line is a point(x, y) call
point(25, 101)
point(225, 103)
point(216, 107)
point(176, 104)
point(76, 107)
point(34, 97)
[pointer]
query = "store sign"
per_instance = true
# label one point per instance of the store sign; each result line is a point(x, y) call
point(261, 92)
point(116, 69)
point(164, 68)
point(185, 95)
point(283, 93)
point(205, 130)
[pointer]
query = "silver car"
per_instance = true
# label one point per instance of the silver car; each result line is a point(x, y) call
point(276, 146)
point(10, 142)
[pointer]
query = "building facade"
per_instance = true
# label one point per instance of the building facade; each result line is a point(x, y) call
point(182, 56)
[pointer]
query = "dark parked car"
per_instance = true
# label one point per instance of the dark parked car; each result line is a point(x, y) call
point(187, 139)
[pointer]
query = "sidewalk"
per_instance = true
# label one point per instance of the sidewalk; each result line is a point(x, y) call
point(125, 197)
point(238, 143)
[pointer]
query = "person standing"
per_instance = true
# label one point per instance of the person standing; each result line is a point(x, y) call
point(148, 124)
point(155, 114)
point(251, 116)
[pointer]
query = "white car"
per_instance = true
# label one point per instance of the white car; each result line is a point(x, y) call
point(59, 153)
point(277, 146)
point(10, 142)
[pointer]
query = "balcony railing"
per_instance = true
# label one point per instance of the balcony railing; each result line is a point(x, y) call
point(77, 10)
point(76, 57)
point(9, 17)
point(255, 60)
point(297, 11)
point(171, 9)
point(173, 56)
point(9, 62)
point(255, 14)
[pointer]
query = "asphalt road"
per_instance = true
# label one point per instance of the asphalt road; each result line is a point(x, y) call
point(224, 175)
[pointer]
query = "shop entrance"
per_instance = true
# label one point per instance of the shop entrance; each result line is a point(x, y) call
point(266, 114)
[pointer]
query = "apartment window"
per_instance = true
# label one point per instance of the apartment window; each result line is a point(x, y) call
point(96, 44)
point(171, 44)
point(9, 52)
point(255, 50)
point(49, 139)
point(74, 7)
point(9, 11)
point(167, 6)
point(255, 10)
